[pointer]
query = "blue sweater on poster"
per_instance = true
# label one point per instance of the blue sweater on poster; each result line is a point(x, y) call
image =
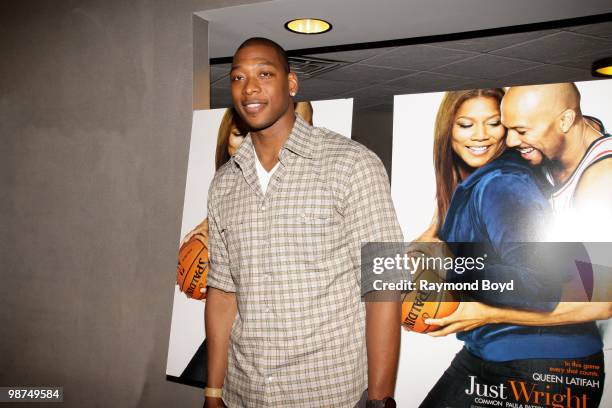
point(501, 206)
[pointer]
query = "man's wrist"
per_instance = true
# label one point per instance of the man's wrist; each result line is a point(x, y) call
point(213, 392)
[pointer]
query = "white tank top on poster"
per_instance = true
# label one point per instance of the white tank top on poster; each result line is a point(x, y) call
point(563, 195)
point(567, 224)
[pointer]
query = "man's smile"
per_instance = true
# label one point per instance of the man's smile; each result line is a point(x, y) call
point(526, 152)
point(253, 106)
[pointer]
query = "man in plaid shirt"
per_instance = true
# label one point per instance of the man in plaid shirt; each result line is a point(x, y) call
point(285, 323)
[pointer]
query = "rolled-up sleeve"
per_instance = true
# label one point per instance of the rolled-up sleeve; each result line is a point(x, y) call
point(219, 274)
point(370, 215)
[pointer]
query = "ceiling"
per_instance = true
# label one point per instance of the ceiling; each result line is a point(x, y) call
point(373, 76)
point(362, 21)
point(374, 72)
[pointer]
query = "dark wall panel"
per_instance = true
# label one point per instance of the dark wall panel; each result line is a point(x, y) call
point(95, 108)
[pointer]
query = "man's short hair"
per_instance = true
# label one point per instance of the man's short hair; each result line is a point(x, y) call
point(282, 54)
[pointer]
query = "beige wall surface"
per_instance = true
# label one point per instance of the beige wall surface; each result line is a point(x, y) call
point(95, 108)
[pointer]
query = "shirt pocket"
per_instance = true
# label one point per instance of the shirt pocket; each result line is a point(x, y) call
point(307, 235)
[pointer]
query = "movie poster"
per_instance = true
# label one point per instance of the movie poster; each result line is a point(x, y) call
point(564, 382)
point(186, 351)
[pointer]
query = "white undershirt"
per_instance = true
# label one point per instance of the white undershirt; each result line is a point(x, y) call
point(263, 174)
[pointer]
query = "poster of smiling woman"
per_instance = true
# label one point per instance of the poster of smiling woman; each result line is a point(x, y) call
point(511, 167)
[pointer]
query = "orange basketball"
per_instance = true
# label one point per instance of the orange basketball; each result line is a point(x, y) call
point(193, 267)
point(426, 304)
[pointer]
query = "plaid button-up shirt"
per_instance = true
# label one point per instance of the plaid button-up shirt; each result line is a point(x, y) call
point(292, 256)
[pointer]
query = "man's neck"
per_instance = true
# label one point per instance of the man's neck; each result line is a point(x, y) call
point(578, 141)
point(269, 141)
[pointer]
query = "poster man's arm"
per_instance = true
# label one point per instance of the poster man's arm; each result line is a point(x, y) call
point(471, 315)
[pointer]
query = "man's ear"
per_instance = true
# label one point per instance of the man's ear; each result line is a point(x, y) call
point(293, 83)
point(567, 119)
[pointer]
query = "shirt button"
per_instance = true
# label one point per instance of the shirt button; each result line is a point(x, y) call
point(270, 379)
point(263, 208)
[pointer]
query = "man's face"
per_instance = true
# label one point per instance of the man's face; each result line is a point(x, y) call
point(531, 128)
point(261, 86)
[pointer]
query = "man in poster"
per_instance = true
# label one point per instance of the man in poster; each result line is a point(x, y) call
point(545, 124)
point(287, 216)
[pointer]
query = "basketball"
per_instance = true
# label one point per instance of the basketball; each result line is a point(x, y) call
point(424, 305)
point(193, 267)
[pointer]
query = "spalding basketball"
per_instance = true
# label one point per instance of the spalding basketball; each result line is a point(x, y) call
point(193, 267)
point(424, 305)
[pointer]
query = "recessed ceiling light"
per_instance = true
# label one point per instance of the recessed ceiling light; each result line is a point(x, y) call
point(602, 67)
point(308, 26)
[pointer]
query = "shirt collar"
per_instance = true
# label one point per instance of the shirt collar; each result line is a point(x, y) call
point(300, 142)
point(300, 139)
point(245, 152)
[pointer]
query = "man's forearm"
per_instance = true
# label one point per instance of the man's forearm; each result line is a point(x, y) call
point(383, 343)
point(564, 313)
point(219, 316)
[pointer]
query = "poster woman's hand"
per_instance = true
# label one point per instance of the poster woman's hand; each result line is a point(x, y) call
point(201, 230)
point(468, 316)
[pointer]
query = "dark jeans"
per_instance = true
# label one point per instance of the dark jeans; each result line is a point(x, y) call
point(472, 382)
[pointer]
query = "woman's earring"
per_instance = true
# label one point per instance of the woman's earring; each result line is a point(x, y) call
point(292, 93)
